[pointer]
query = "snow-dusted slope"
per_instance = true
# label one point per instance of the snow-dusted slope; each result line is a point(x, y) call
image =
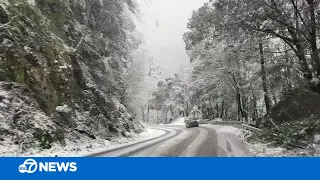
point(62, 70)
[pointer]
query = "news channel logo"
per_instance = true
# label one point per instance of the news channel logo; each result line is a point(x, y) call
point(30, 166)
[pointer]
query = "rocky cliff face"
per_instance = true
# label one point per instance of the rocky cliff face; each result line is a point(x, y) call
point(61, 69)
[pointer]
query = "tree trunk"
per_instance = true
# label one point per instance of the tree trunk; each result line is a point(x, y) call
point(295, 41)
point(166, 119)
point(313, 36)
point(187, 110)
point(148, 110)
point(172, 111)
point(222, 110)
point(217, 106)
point(226, 114)
point(255, 107)
point(300, 52)
point(288, 68)
point(245, 107)
point(264, 79)
point(158, 117)
point(211, 110)
point(143, 115)
point(241, 113)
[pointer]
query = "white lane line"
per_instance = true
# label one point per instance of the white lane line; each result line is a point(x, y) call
point(192, 148)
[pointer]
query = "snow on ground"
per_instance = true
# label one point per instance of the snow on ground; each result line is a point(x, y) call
point(258, 149)
point(230, 140)
point(75, 149)
point(229, 129)
point(218, 120)
point(81, 146)
point(7, 146)
point(264, 150)
point(179, 121)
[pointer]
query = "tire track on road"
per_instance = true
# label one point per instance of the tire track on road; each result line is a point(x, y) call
point(210, 146)
point(136, 147)
point(192, 149)
point(173, 147)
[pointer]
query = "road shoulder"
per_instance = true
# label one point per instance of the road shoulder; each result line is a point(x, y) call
point(230, 142)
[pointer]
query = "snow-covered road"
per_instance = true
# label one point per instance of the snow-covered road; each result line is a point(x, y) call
point(206, 140)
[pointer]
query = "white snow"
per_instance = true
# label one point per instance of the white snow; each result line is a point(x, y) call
point(193, 147)
point(63, 109)
point(4, 94)
point(218, 120)
point(315, 81)
point(230, 140)
point(257, 149)
point(265, 150)
point(167, 146)
point(316, 138)
point(31, 2)
point(229, 129)
point(179, 121)
point(89, 146)
point(4, 4)
point(3, 105)
point(8, 146)
point(260, 149)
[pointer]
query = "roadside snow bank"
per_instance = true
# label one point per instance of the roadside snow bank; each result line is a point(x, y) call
point(179, 121)
point(89, 146)
point(75, 146)
point(230, 129)
point(260, 149)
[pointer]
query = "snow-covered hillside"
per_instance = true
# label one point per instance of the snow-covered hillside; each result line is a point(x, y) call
point(62, 66)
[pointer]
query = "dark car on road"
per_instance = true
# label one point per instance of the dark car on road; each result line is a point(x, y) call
point(191, 123)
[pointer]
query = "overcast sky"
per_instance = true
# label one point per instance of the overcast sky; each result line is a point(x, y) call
point(164, 22)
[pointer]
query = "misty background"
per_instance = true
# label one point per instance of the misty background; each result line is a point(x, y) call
point(162, 26)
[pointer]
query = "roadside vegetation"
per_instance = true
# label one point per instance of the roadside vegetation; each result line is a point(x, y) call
point(252, 61)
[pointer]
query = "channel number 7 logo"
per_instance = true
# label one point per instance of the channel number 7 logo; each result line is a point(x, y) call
point(28, 166)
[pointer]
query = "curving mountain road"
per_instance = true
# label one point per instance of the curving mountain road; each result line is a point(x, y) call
point(178, 141)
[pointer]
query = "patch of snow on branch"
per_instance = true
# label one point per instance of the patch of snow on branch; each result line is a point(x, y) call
point(32, 2)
